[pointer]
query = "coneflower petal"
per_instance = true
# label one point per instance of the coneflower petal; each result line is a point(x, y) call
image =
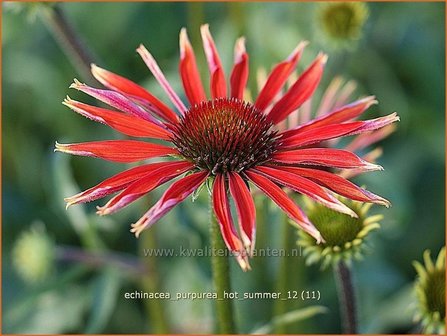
point(246, 210)
point(158, 74)
point(364, 140)
point(188, 71)
point(239, 74)
point(124, 123)
point(305, 187)
point(145, 185)
point(115, 183)
point(345, 94)
point(278, 77)
point(116, 100)
point(117, 150)
point(330, 94)
point(342, 114)
point(337, 184)
point(222, 210)
point(284, 202)
point(328, 157)
point(300, 91)
point(218, 85)
point(175, 194)
point(312, 135)
point(126, 86)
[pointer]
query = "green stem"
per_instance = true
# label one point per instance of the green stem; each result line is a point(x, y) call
point(150, 283)
point(221, 279)
point(287, 279)
point(280, 306)
point(68, 39)
point(128, 264)
point(346, 298)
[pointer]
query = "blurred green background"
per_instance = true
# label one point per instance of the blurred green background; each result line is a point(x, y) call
point(399, 58)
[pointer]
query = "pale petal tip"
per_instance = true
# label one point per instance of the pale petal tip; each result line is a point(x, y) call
point(142, 49)
point(239, 49)
point(384, 202)
point(103, 210)
point(60, 147)
point(67, 101)
point(371, 166)
point(323, 58)
point(298, 49)
point(76, 84)
point(69, 202)
point(205, 28)
point(370, 100)
point(243, 263)
point(97, 72)
point(319, 238)
point(184, 42)
point(137, 228)
point(240, 43)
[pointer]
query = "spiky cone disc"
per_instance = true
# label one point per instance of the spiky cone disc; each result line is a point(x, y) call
point(430, 293)
point(344, 236)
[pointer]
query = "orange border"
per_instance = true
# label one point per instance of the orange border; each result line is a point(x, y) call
point(208, 1)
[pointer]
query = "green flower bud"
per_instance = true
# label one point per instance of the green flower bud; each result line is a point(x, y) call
point(430, 292)
point(344, 236)
point(33, 254)
point(342, 22)
point(30, 9)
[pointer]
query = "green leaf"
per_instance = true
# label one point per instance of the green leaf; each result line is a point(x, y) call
point(105, 294)
point(55, 307)
point(289, 318)
point(65, 186)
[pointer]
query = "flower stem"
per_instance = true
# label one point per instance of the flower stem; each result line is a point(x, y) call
point(150, 283)
point(125, 263)
point(221, 279)
point(68, 39)
point(346, 298)
point(286, 272)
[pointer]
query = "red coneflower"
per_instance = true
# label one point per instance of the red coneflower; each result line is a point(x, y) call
point(225, 138)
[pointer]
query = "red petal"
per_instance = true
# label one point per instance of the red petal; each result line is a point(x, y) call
point(158, 74)
point(145, 185)
point(305, 187)
point(117, 150)
point(175, 194)
point(300, 91)
point(126, 86)
point(297, 138)
point(312, 135)
point(223, 214)
point(218, 85)
point(124, 123)
point(284, 202)
point(245, 209)
point(343, 114)
point(115, 183)
point(188, 71)
point(278, 77)
point(337, 184)
point(116, 100)
point(239, 74)
point(329, 157)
